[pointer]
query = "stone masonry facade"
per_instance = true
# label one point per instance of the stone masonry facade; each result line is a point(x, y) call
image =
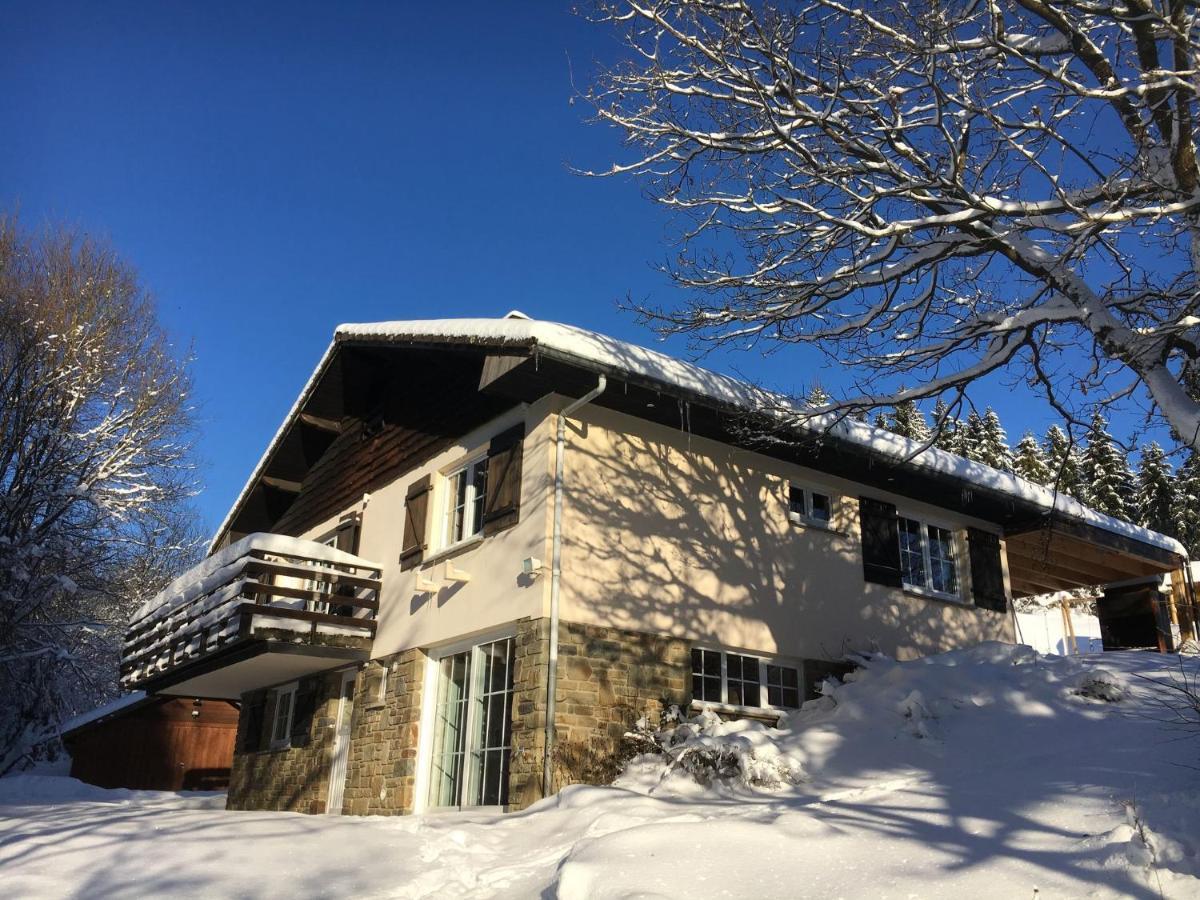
point(381, 773)
point(295, 778)
point(608, 678)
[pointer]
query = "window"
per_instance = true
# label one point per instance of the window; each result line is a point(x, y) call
point(927, 557)
point(783, 686)
point(281, 724)
point(466, 489)
point(706, 676)
point(472, 731)
point(737, 680)
point(318, 586)
point(741, 680)
point(805, 505)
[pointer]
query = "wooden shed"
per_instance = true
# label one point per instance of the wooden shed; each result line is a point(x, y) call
point(1155, 613)
point(154, 743)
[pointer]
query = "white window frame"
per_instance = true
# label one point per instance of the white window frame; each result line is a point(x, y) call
point(763, 661)
point(446, 504)
point(955, 558)
point(289, 691)
point(806, 517)
point(425, 749)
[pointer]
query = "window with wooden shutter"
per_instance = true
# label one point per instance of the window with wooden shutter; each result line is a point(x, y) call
point(416, 523)
point(880, 541)
point(987, 571)
point(502, 501)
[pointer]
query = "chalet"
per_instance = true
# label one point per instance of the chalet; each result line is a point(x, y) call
point(477, 550)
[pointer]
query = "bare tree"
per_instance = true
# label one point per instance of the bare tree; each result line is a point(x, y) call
point(94, 474)
point(929, 192)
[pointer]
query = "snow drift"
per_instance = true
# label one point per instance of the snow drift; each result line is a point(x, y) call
point(992, 772)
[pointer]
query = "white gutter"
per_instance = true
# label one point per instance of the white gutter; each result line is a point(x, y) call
point(556, 577)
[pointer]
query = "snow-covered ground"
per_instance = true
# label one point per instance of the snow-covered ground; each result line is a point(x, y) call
point(981, 773)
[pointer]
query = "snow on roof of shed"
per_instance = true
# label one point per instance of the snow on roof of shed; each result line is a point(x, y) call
point(103, 711)
point(591, 349)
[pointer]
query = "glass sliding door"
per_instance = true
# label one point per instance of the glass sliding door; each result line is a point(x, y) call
point(472, 729)
point(450, 730)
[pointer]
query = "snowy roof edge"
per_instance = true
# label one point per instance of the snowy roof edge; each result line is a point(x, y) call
point(103, 711)
point(590, 347)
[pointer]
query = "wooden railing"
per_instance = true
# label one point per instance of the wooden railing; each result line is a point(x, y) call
point(261, 595)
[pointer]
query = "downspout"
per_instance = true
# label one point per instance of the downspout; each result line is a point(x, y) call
point(556, 577)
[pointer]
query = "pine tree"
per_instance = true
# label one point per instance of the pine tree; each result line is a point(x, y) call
point(970, 438)
point(907, 420)
point(1187, 492)
point(881, 421)
point(1105, 472)
point(993, 446)
point(947, 427)
point(817, 397)
point(1029, 462)
point(1063, 460)
point(1157, 497)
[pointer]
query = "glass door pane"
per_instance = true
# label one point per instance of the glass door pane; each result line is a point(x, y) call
point(491, 722)
point(472, 738)
point(450, 730)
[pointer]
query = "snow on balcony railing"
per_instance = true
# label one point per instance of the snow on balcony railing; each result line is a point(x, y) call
point(263, 585)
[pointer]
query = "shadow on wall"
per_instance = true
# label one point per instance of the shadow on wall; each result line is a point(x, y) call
point(678, 535)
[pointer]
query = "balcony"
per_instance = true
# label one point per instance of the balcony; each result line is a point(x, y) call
point(262, 611)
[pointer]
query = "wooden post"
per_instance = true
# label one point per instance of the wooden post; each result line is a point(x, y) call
point(1068, 626)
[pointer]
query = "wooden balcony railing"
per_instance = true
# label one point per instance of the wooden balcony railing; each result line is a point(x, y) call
point(260, 594)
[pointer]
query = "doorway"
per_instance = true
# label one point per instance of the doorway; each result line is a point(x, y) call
point(472, 726)
point(341, 745)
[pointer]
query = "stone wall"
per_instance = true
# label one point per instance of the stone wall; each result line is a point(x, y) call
point(608, 678)
point(294, 778)
point(381, 773)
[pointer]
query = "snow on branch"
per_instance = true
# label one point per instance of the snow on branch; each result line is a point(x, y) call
point(926, 193)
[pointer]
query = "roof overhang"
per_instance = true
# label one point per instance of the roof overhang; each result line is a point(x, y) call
point(1054, 537)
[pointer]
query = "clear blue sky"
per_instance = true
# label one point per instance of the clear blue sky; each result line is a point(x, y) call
point(273, 170)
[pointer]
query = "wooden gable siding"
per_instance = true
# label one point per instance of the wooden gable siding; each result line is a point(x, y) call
point(421, 415)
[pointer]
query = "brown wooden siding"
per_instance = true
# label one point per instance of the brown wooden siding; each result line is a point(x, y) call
point(159, 746)
point(423, 414)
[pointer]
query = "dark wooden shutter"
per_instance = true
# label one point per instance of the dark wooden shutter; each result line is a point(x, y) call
point(252, 725)
point(304, 704)
point(347, 536)
point(502, 498)
point(880, 541)
point(347, 540)
point(416, 515)
point(987, 573)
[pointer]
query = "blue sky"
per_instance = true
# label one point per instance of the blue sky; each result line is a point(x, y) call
point(273, 170)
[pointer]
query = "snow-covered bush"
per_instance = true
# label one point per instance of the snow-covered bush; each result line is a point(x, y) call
point(1101, 684)
point(711, 750)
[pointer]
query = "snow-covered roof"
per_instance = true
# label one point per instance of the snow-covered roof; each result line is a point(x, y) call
point(223, 567)
point(593, 350)
point(100, 712)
